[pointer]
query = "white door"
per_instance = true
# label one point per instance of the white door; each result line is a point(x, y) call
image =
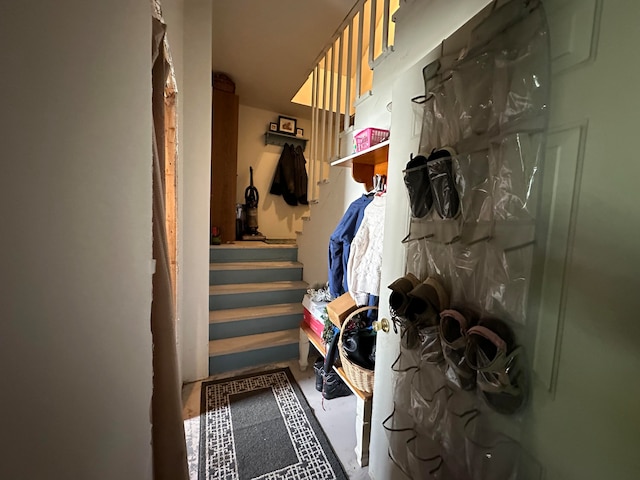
point(583, 422)
point(406, 121)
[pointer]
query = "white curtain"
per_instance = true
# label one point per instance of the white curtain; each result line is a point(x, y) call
point(169, 448)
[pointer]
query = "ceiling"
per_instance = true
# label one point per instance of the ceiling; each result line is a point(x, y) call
point(268, 47)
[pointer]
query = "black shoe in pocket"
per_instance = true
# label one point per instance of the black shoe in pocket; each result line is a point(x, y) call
point(443, 186)
point(416, 180)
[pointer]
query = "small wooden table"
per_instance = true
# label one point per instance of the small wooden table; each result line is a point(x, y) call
point(363, 399)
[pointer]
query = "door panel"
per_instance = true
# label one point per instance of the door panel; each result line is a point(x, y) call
point(562, 169)
point(583, 422)
point(574, 30)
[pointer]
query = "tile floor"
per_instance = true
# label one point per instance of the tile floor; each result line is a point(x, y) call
point(337, 418)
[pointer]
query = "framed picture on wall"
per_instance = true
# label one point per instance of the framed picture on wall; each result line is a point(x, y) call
point(299, 132)
point(273, 126)
point(287, 125)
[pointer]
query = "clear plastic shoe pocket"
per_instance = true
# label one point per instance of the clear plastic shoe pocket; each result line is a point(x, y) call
point(418, 189)
point(507, 275)
point(424, 460)
point(430, 346)
point(446, 199)
point(427, 404)
point(447, 129)
point(468, 272)
point(474, 89)
point(522, 80)
point(429, 133)
point(474, 184)
point(515, 163)
point(398, 427)
point(504, 459)
point(491, 455)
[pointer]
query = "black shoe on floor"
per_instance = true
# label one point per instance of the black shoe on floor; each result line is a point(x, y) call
point(334, 386)
point(318, 367)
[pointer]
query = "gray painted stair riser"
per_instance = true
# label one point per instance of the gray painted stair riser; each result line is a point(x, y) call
point(254, 299)
point(235, 361)
point(228, 277)
point(240, 328)
point(223, 255)
point(275, 319)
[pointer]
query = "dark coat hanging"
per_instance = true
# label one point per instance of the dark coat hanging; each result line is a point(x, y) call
point(290, 178)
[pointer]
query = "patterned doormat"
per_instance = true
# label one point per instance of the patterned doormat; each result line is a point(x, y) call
point(260, 426)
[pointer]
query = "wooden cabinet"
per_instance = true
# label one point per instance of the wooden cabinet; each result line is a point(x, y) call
point(224, 156)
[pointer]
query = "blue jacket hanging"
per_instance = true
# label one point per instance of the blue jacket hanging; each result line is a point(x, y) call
point(340, 244)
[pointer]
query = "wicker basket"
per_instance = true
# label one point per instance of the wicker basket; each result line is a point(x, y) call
point(360, 377)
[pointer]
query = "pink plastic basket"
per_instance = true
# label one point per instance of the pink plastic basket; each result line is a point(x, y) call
point(369, 137)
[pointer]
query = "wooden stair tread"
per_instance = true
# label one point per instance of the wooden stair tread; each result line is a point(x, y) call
point(250, 313)
point(253, 342)
point(253, 265)
point(248, 244)
point(256, 287)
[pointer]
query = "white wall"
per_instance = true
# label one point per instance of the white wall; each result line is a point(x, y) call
point(194, 173)
point(313, 244)
point(75, 354)
point(276, 219)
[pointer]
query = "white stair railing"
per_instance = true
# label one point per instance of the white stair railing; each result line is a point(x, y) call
point(332, 105)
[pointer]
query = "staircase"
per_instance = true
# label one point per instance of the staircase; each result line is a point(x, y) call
point(255, 295)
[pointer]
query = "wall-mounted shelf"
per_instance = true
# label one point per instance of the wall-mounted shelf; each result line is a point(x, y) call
point(275, 138)
point(367, 163)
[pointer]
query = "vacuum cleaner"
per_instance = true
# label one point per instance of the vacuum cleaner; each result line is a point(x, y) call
point(251, 197)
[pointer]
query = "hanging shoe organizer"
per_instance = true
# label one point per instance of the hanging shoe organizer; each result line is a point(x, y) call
point(462, 377)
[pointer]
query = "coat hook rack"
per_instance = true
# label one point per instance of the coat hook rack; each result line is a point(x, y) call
point(275, 138)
